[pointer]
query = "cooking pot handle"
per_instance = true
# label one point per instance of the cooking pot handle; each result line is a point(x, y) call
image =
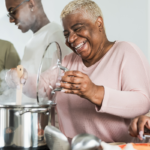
point(36, 110)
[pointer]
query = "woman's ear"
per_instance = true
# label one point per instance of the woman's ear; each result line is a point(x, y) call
point(99, 23)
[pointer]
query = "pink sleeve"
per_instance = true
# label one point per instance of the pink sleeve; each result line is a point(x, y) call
point(134, 97)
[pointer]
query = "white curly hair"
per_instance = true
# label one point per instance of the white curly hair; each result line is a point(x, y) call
point(88, 6)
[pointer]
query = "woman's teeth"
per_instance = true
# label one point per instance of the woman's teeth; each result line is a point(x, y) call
point(79, 46)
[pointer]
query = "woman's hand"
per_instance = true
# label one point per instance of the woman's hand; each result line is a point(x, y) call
point(75, 82)
point(12, 79)
point(137, 126)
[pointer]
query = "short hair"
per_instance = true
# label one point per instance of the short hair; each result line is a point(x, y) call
point(86, 5)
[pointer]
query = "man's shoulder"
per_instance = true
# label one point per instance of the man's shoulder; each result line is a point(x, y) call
point(54, 27)
point(5, 43)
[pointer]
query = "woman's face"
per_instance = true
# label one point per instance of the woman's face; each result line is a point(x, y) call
point(82, 34)
point(22, 15)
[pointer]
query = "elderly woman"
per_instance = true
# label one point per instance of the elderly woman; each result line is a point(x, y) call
point(109, 82)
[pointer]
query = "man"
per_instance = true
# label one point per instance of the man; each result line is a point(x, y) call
point(9, 57)
point(30, 15)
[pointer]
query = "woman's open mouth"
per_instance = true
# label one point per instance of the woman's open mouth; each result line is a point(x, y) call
point(80, 47)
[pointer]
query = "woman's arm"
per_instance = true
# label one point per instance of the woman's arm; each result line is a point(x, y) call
point(133, 97)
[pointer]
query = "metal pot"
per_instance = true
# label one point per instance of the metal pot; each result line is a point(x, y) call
point(23, 126)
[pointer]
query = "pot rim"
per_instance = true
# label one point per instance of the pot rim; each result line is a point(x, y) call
point(29, 105)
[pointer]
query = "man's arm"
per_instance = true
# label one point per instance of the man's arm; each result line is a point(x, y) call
point(12, 58)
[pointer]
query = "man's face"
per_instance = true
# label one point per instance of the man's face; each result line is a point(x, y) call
point(22, 16)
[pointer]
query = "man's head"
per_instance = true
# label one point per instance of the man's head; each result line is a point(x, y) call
point(23, 12)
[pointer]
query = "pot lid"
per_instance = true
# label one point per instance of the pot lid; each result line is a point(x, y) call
point(49, 72)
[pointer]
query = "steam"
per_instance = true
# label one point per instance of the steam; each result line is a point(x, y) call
point(7, 95)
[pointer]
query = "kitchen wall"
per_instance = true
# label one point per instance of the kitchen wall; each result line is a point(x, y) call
point(127, 20)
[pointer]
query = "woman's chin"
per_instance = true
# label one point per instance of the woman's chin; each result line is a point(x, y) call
point(84, 57)
point(84, 54)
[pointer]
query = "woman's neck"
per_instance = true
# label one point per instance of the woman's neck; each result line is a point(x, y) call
point(103, 49)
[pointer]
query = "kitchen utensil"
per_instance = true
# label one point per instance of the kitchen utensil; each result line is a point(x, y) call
point(55, 139)
point(85, 142)
point(19, 91)
point(50, 64)
point(21, 125)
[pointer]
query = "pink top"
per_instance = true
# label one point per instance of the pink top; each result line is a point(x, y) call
point(125, 74)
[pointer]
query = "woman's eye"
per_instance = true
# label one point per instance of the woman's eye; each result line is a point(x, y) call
point(77, 30)
point(66, 35)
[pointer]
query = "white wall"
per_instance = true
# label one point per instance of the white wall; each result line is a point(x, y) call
point(124, 20)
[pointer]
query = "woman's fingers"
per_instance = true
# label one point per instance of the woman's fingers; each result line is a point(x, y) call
point(137, 126)
point(72, 79)
point(77, 92)
point(69, 86)
point(140, 125)
point(133, 128)
point(148, 124)
point(75, 82)
point(143, 122)
point(74, 73)
point(132, 134)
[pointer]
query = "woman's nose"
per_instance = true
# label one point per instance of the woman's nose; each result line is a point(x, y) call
point(72, 37)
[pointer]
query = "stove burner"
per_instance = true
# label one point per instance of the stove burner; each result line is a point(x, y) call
point(14, 148)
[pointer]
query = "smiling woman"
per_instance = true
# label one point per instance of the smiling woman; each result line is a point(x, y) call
point(85, 23)
point(111, 79)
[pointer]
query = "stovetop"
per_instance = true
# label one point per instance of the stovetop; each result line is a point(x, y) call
point(14, 148)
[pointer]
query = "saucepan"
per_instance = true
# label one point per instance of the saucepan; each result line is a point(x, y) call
point(22, 126)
